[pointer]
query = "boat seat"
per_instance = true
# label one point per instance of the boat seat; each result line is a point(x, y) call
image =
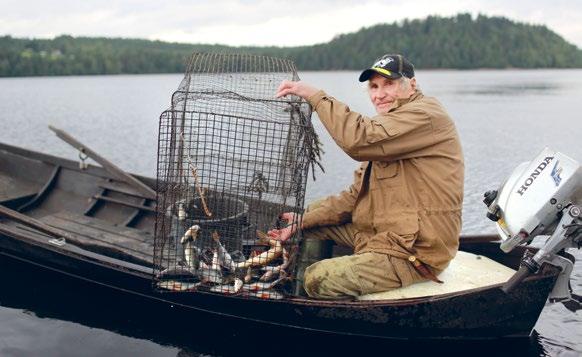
point(466, 271)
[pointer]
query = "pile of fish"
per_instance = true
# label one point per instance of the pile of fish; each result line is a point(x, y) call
point(227, 273)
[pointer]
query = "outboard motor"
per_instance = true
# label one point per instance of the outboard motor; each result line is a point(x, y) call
point(542, 197)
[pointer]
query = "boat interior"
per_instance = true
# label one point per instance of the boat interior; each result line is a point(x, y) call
point(102, 215)
point(106, 216)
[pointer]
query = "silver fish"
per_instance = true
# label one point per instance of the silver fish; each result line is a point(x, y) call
point(228, 289)
point(175, 285)
point(249, 275)
point(238, 284)
point(223, 255)
point(181, 211)
point(215, 262)
point(210, 275)
point(191, 255)
point(191, 252)
point(269, 274)
point(176, 272)
point(265, 294)
point(191, 234)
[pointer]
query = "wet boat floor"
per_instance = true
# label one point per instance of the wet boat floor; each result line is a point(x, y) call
point(98, 236)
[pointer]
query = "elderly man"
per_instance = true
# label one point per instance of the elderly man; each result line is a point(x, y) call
point(402, 214)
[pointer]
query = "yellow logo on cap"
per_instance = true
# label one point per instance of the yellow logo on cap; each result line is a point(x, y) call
point(382, 70)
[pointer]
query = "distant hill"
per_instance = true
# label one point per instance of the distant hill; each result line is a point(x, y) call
point(461, 42)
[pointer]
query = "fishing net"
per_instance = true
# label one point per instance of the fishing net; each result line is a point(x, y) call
point(231, 159)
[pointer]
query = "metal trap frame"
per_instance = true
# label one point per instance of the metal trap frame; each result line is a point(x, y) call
point(231, 159)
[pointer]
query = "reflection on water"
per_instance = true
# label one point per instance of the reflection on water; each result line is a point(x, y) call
point(503, 117)
point(514, 89)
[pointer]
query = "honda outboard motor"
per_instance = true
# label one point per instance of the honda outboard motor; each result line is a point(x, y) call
point(542, 197)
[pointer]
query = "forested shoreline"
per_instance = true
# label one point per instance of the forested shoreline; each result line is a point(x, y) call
point(459, 42)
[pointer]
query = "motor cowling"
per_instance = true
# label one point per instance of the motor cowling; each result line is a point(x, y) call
point(531, 200)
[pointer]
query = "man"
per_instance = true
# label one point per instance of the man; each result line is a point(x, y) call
point(402, 214)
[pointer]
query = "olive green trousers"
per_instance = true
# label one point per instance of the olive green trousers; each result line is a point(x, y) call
point(353, 275)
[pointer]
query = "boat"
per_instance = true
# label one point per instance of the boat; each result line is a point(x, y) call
point(106, 243)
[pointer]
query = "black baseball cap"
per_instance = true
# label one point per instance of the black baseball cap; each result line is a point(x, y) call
point(389, 66)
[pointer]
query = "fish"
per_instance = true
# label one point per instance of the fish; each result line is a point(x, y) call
point(177, 272)
point(191, 255)
point(258, 286)
point(265, 294)
point(175, 285)
point(223, 255)
point(269, 274)
point(210, 275)
point(215, 262)
point(206, 256)
point(191, 234)
point(263, 258)
point(228, 289)
point(271, 271)
point(238, 284)
point(264, 238)
point(203, 265)
point(181, 211)
point(191, 252)
point(237, 256)
point(249, 274)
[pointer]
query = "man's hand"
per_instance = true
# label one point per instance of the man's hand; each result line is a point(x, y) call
point(285, 233)
point(300, 88)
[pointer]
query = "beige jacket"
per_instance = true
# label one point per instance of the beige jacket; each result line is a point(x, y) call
point(407, 195)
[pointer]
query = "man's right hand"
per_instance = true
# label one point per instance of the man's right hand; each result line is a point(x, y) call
point(299, 88)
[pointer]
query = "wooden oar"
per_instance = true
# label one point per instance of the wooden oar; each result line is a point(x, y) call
point(118, 173)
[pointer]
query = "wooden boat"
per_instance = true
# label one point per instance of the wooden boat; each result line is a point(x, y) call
point(108, 247)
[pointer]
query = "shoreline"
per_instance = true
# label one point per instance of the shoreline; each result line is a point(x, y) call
point(311, 71)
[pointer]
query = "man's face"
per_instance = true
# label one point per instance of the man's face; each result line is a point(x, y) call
point(384, 91)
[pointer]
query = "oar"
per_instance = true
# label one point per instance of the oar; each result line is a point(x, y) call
point(118, 173)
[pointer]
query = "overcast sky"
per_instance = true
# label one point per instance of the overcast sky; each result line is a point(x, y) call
point(260, 22)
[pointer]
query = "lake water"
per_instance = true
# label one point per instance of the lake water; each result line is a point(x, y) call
point(503, 117)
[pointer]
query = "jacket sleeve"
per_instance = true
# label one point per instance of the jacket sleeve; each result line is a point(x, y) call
point(385, 137)
point(336, 209)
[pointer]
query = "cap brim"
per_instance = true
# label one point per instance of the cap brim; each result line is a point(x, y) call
point(366, 74)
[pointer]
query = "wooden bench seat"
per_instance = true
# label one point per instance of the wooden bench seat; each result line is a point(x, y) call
point(466, 271)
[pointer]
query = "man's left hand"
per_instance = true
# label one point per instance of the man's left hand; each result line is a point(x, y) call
point(285, 233)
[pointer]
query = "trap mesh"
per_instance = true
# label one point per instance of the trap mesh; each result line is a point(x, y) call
point(231, 159)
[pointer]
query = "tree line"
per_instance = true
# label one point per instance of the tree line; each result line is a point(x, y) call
point(460, 42)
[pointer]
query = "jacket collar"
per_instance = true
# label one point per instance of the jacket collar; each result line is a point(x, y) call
point(401, 101)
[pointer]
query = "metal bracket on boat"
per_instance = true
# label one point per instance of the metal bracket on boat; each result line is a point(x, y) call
point(561, 290)
point(118, 173)
point(59, 242)
point(83, 165)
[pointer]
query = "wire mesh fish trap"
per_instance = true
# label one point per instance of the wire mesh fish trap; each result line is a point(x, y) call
point(231, 159)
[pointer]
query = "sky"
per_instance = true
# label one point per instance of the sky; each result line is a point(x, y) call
point(260, 22)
